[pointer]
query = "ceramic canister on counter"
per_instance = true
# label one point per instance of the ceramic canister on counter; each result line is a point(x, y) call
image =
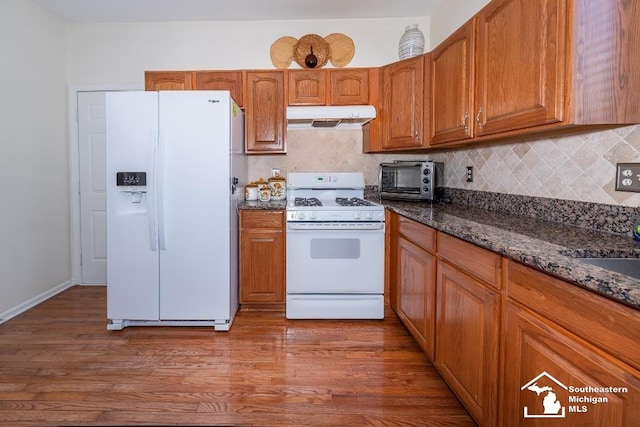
point(261, 183)
point(264, 194)
point(277, 185)
point(251, 191)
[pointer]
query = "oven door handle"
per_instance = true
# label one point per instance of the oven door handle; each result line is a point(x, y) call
point(335, 226)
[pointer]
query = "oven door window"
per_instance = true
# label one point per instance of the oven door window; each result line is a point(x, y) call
point(334, 248)
point(335, 261)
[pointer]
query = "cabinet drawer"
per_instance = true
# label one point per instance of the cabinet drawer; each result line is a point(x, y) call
point(261, 219)
point(606, 324)
point(474, 260)
point(420, 234)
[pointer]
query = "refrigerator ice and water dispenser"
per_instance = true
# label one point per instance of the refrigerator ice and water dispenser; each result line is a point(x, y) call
point(132, 193)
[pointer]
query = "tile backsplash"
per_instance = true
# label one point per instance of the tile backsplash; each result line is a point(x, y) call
point(579, 167)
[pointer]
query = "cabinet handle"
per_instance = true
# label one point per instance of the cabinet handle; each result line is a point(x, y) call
point(464, 122)
point(417, 136)
point(478, 119)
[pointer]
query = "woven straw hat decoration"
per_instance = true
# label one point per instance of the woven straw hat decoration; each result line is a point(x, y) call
point(337, 48)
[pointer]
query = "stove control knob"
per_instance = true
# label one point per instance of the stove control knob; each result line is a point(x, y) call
point(301, 215)
point(369, 215)
point(312, 215)
point(356, 215)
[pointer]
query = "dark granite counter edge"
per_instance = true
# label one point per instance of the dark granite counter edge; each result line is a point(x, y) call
point(542, 255)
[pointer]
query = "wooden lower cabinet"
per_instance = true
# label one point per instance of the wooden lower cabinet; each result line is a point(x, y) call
point(563, 347)
point(509, 338)
point(467, 341)
point(262, 258)
point(416, 292)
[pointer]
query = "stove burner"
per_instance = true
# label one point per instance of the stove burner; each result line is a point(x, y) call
point(353, 201)
point(312, 201)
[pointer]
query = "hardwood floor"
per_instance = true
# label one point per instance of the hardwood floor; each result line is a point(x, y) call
point(60, 366)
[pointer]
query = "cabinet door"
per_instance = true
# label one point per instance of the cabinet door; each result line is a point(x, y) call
point(467, 332)
point(349, 87)
point(262, 257)
point(307, 87)
point(168, 80)
point(262, 270)
point(520, 65)
point(416, 293)
point(221, 80)
point(264, 112)
point(452, 117)
point(543, 362)
point(403, 103)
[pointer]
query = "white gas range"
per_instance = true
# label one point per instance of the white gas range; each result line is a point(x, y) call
point(335, 248)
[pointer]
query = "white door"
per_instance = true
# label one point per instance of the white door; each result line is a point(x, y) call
point(93, 196)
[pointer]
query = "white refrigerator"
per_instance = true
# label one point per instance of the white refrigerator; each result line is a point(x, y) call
point(175, 170)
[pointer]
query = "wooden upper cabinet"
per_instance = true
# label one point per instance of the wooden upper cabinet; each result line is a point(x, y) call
point(403, 87)
point(452, 112)
point(168, 80)
point(264, 112)
point(221, 80)
point(328, 87)
point(520, 78)
point(307, 87)
point(605, 70)
point(349, 86)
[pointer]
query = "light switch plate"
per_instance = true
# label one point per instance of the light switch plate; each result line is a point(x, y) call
point(628, 177)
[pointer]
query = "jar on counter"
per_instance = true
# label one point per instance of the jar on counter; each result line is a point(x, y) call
point(262, 184)
point(251, 191)
point(264, 194)
point(278, 187)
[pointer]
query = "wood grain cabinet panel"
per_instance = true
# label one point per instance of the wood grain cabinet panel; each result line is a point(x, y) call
point(307, 87)
point(168, 80)
point(262, 258)
point(452, 108)
point(541, 354)
point(265, 113)
point(520, 76)
point(416, 293)
point(467, 341)
point(349, 86)
point(221, 80)
point(403, 104)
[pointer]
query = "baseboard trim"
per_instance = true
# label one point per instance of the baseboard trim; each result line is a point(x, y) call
point(21, 308)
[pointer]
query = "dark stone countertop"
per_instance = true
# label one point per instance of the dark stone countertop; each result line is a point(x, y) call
point(548, 246)
point(257, 205)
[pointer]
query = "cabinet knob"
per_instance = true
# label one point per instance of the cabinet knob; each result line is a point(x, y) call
point(465, 121)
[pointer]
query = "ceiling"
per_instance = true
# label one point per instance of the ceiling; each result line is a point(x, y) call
point(93, 11)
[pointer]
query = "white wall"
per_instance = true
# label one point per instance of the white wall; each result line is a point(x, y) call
point(34, 213)
point(450, 15)
point(120, 53)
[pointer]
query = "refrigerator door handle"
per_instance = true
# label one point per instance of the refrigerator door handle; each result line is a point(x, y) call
point(151, 207)
point(160, 189)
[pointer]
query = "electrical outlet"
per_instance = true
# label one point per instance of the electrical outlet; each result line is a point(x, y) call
point(628, 177)
point(469, 173)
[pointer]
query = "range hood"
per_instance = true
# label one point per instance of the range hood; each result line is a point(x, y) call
point(342, 116)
